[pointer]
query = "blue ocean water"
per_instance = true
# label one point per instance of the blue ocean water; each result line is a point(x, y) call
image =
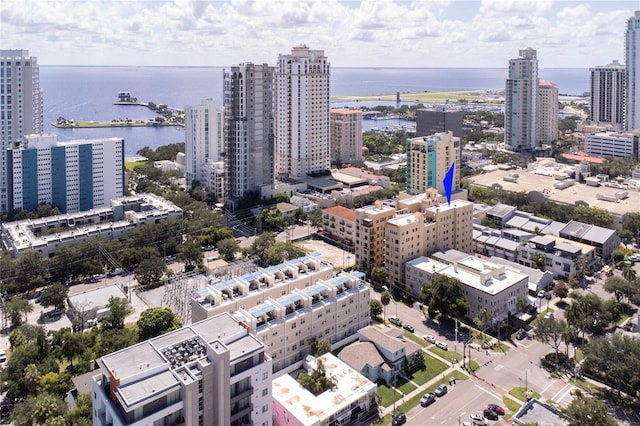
point(87, 93)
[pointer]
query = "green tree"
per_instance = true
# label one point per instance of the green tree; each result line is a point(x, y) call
point(149, 271)
point(118, 309)
point(443, 295)
point(379, 274)
point(82, 411)
point(550, 331)
point(560, 289)
point(228, 248)
point(17, 309)
point(629, 273)
point(316, 218)
point(32, 269)
point(156, 321)
point(616, 358)
point(587, 411)
point(631, 224)
point(385, 299)
point(282, 197)
point(375, 308)
point(321, 347)
point(55, 295)
point(191, 254)
point(262, 243)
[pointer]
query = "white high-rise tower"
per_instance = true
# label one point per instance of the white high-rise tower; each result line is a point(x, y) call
point(632, 59)
point(204, 139)
point(302, 113)
point(21, 106)
point(521, 102)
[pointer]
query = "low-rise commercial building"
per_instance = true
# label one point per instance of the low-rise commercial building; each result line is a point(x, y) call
point(486, 285)
point(117, 221)
point(214, 372)
point(613, 144)
point(351, 401)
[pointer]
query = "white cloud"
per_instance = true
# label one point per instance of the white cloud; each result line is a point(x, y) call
point(352, 32)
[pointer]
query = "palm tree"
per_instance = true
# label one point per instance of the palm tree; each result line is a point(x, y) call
point(628, 273)
point(581, 263)
point(385, 299)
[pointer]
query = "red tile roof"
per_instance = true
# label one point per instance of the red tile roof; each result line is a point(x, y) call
point(342, 212)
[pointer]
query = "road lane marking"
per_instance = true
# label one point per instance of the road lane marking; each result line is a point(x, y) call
point(548, 386)
point(487, 391)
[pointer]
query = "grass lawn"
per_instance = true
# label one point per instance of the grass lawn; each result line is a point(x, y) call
point(468, 95)
point(518, 392)
point(386, 394)
point(129, 165)
point(433, 367)
point(448, 355)
point(511, 404)
point(419, 340)
point(405, 387)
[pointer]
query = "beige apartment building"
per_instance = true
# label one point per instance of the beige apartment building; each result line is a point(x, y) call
point(333, 309)
point(339, 224)
point(412, 235)
point(428, 161)
point(346, 135)
point(252, 289)
point(369, 239)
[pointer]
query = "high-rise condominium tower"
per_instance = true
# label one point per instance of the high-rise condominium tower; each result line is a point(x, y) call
point(548, 112)
point(632, 58)
point(607, 94)
point(204, 141)
point(302, 113)
point(521, 102)
point(21, 106)
point(248, 101)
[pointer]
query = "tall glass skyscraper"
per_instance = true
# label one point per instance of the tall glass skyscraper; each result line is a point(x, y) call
point(632, 60)
point(21, 106)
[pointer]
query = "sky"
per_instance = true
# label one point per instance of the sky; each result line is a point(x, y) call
point(353, 33)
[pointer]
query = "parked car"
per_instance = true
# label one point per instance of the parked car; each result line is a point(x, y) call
point(427, 399)
point(395, 320)
point(57, 313)
point(442, 345)
point(408, 327)
point(441, 390)
point(541, 294)
point(495, 407)
point(429, 338)
point(521, 334)
point(490, 414)
point(548, 315)
point(478, 419)
point(399, 419)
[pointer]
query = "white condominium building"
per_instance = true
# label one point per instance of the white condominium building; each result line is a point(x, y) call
point(204, 138)
point(302, 133)
point(333, 310)
point(214, 372)
point(632, 59)
point(607, 95)
point(521, 102)
point(73, 176)
point(20, 107)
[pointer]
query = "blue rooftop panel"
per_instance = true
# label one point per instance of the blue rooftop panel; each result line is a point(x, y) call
point(289, 299)
point(261, 310)
point(339, 281)
point(223, 284)
point(316, 289)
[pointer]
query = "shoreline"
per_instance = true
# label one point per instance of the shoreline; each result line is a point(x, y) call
point(102, 124)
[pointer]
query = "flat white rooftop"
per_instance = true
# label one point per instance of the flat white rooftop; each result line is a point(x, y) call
point(485, 276)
